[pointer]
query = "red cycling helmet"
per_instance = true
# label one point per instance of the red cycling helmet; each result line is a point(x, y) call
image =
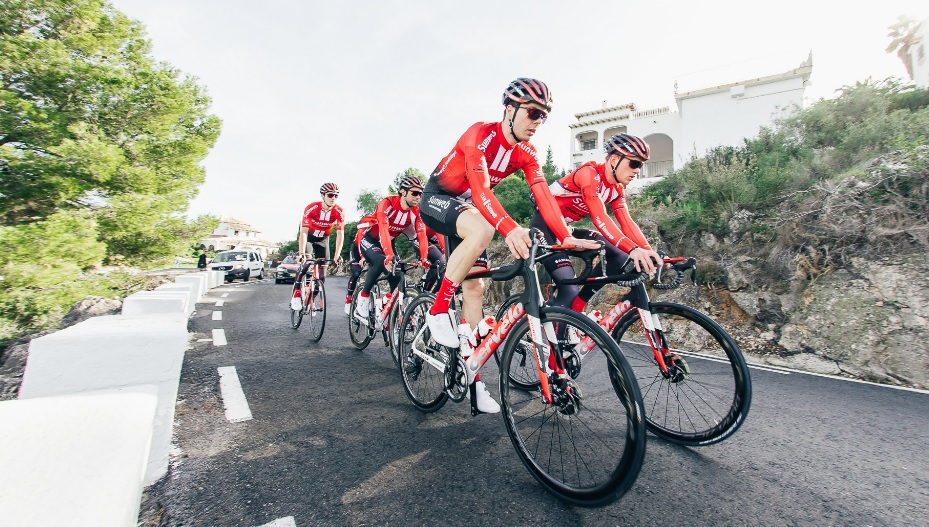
point(627, 146)
point(524, 90)
point(328, 188)
point(408, 182)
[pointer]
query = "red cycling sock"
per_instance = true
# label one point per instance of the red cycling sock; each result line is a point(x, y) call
point(578, 305)
point(444, 296)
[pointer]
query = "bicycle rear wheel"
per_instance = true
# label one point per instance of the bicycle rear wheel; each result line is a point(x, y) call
point(317, 311)
point(395, 319)
point(296, 315)
point(422, 360)
point(706, 398)
point(588, 446)
point(522, 371)
point(360, 333)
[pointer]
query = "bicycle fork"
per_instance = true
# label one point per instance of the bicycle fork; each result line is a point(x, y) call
point(653, 332)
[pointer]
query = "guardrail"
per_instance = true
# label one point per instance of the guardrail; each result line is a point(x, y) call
point(93, 422)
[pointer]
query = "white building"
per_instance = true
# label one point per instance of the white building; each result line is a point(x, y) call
point(918, 61)
point(236, 234)
point(702, 119)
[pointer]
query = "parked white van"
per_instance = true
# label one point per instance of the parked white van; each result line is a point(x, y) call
point(238, 264)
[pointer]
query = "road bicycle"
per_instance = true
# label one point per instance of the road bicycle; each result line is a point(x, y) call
point(694, 380)
point(385, 309)
point(582, 439)
point(312, 300)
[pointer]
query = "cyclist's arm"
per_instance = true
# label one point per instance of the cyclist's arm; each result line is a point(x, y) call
point(545, 202)
point(628, 225)
point(440, 240)
point(481, 195)
point(423, 241)
point(383, 228)
point(301, 240)
point(339, 241)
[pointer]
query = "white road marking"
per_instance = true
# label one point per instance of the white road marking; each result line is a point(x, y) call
point(204, 340)
point(768, 368)
point(787, 371)
point(219, 303)
point(217, 315)
point(233, 397)
point(219, 337)
point(281, 522)
point(224, 295)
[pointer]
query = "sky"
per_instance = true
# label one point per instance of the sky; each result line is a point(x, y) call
point(356, 92)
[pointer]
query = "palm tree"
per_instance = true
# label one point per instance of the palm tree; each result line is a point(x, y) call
point(903, 37)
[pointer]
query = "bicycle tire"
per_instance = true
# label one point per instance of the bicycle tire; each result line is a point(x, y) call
point(588, 451)
point(318, 318)
point(296, 315)
point(712, 400)
point(359, 334)
point(423, 383)
point(395, 318)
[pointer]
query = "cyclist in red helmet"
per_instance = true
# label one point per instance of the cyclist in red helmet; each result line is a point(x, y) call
point(318, 220)
point(585, 192)
point(458, 203)
point(393, 215)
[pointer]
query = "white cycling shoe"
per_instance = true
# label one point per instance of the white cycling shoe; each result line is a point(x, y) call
point(296, 304)
point(443, 329)
point(363, 307)
point(485, 403)
point(348, 308)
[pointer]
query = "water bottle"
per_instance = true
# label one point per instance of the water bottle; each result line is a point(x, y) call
point(471, 338)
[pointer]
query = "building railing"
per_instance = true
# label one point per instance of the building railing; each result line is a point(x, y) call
point(656, 169)
point(651, 112)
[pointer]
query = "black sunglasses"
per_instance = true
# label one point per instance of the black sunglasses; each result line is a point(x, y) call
point(635, 163)
point(414, 193)
point(535, 113)
point(332, 195)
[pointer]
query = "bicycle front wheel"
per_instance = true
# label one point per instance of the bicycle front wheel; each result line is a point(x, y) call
point(316, 310)
point(359, 331)
point(395, 319)
point(587, 446)
point(706, 396)
point(423, 361)
point(296, 315)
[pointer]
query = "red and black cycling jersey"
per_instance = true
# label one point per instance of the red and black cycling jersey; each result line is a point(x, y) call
point(320, 221)
point(480, 160)
point(585, 192)
point(391, 220)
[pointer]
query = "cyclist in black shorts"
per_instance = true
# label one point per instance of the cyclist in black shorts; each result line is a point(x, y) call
point(318, 220)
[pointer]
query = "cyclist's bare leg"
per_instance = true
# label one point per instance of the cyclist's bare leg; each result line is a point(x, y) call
point(476, 234)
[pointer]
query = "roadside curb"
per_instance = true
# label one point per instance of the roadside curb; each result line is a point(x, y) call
point(95, 413)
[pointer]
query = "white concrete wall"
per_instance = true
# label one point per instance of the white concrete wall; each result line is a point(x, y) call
point(75, 460)
point(114, 352)
point(93, 422)
point(727, 118)
point(919, 57)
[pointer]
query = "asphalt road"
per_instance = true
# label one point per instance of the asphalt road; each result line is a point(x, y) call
point(335, 441)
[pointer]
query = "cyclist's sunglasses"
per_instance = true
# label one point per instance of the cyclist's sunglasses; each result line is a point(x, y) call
point(636, 163)
point(330, 195)
point(535, 113)
point(415, 193)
